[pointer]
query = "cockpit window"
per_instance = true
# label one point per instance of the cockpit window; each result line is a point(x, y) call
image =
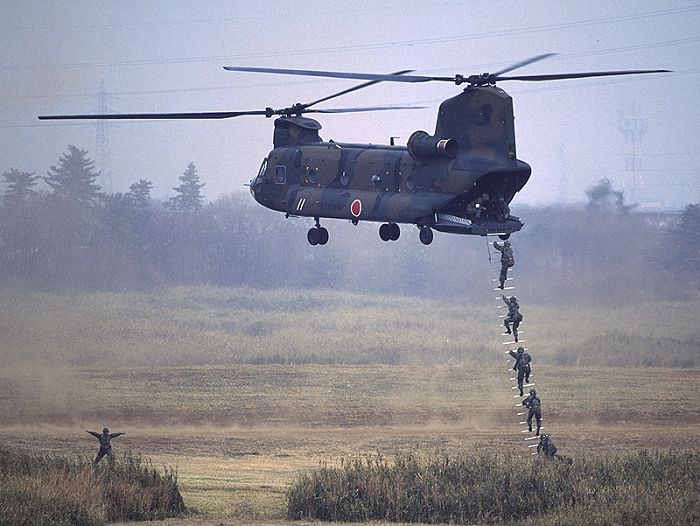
point(263, 168)
point(280, 174)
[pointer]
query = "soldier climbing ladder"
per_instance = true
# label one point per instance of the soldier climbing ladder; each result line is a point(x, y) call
point(515, 347)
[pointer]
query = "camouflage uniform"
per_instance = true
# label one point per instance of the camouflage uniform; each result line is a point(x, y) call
point(546, 446)
point(507, 260)
point(533, 404)
point(513, 317)
point(476, 208)
point(522, 365)
point(503, 210)
point(105, 445)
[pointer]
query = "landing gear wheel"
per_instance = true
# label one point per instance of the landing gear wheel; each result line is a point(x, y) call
point(504, 236)
point(395, 231)
point(385, 232)
point(426, 235)
point(323, 236)
point(313, 236)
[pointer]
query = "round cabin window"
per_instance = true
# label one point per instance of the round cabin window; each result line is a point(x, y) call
point(344, 179)
point(312, 176)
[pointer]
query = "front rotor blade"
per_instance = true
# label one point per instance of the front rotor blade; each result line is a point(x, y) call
point(368, 108)
point(134, 116)
point(524, 63)
point(563, 76)
point(340, 74)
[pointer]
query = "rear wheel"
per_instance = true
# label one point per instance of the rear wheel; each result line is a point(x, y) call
point(385, 232)
point(395, 232)
point(426, 235)
point(504, 236)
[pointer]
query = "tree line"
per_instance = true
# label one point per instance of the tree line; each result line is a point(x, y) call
point(74, 236)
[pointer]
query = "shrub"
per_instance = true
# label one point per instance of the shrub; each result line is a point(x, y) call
point(642, 488)
point(47, 489)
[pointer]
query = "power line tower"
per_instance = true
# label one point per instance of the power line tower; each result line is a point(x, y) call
point(633, 128)
point(103, 158)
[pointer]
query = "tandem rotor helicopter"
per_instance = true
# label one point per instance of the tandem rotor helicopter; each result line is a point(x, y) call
point(460, 179)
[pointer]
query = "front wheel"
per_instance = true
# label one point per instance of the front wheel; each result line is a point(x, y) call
point(313, 236)
point(323, 236)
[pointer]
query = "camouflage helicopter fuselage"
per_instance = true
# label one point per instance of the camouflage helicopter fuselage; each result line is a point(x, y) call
point(458, 180)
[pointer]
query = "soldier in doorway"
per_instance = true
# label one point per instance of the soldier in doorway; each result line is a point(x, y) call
point(478, 207)
point(533, 405)
point(522, 365)
point(105, 440)
point(507, 260)
point(514, 317)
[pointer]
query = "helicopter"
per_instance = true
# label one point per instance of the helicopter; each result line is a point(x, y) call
point(460, 179)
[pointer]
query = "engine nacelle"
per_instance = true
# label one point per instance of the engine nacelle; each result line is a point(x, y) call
point(422, 145)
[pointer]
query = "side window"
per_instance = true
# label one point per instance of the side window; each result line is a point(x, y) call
point(280, 174)
point(312, 176)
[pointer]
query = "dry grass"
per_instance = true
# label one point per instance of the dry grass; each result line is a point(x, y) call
point(209, 326)
point(45, 489)
point(486, 488)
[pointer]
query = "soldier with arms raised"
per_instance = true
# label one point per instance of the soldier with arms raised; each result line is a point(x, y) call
point(105, 445)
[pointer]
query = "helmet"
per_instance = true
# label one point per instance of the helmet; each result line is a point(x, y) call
point(532, 391)
point(521, 349)
point(105, 430)
point(513, 298)
point(506, 243)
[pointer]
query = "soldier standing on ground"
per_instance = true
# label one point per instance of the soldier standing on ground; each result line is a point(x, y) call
point(514, 315)
point(547, 447)
point(507, 260)
point(533, 404)
point(105, 445)
point(522, 365)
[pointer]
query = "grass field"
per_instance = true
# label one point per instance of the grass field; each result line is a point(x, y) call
point(213, 326)
point(190, 376)
point(239, 435)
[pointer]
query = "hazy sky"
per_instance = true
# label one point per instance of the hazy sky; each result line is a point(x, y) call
point(166, 56)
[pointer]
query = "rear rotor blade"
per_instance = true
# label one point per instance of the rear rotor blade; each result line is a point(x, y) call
point(524, 63)
point(355, 88)
point(133, 116)
point(563, 76)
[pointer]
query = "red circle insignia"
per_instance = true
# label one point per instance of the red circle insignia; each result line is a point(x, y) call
point(356, 208)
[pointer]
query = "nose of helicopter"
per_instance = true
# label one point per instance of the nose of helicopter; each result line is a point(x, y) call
point(255, 184)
